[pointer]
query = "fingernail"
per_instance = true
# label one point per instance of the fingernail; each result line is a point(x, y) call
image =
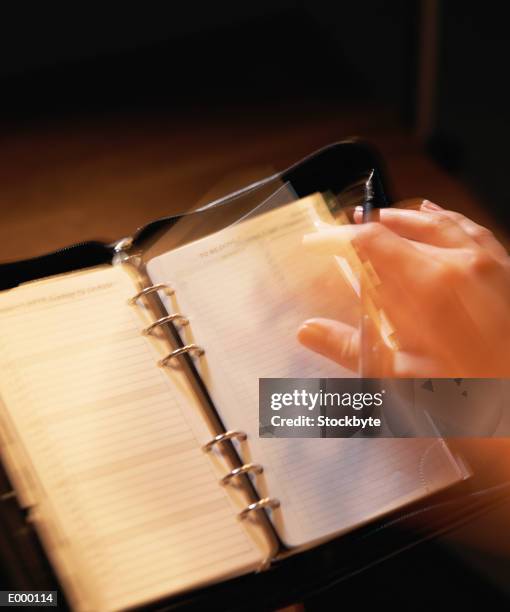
point(311, 333)
point(358, 210)
point(430, 205)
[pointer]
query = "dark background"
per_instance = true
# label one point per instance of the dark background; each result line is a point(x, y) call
point(227, 57)
point(112, 116)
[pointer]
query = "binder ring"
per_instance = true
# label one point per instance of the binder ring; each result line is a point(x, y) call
point(189, 348)
point(168, 319)
point(266, 502)
point(244, 469)
point(223, 437)
point(151, 289)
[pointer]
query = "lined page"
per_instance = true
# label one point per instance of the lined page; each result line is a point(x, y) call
point(246, 290)
point(129, 503)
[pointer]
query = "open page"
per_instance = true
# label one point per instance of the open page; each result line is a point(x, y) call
point(105, 445)
point(246, 290)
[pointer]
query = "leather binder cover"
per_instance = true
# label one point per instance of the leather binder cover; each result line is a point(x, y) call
point(22, 561)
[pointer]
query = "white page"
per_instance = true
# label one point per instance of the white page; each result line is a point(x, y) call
point(246, 290)
point(129, 503)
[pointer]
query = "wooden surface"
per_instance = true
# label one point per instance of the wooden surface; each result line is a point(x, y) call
point(100, 178)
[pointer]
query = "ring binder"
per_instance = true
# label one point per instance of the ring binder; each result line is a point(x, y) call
point(189, 348)
point(256, 468)
point(223, 437)
point(173, 320)
point(151, 289)
point(266, 502)
point(168, 319)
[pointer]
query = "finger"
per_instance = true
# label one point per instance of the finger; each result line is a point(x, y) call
point(425, 226)
point(397, 276)
point(480, 234)
point(390, 255)
point(408, 203)
point(333, 339)
point(341, 343)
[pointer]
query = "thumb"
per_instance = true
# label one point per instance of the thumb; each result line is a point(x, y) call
point(333, 339)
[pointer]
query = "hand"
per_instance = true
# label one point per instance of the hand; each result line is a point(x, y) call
point(444, 285)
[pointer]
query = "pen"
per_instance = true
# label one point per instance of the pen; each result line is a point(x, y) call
point(375, 354)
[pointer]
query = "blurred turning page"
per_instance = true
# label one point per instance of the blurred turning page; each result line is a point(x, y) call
point(246, 290)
